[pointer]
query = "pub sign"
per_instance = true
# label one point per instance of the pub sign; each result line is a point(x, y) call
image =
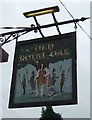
point(44, 72)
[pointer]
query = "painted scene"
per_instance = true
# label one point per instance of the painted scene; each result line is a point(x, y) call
point(44, 71)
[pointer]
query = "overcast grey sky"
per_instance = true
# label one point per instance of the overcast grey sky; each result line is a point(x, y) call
point(12, 15)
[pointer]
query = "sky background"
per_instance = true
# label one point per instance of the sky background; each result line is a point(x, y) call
point(11, 14)
point(91, 60)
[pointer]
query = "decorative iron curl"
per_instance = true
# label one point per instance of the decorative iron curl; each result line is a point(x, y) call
point(15, 35)
point(2, 39)
point(6, 39)
point(33, 26)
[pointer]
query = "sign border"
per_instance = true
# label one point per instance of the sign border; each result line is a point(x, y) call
point(74, 74)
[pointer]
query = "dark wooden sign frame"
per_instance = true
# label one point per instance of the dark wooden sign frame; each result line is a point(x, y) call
point(45, 72)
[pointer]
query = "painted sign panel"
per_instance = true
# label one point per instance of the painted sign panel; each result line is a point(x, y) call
point(44, 72)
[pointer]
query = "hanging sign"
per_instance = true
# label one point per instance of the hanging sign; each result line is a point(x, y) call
point(44, 72)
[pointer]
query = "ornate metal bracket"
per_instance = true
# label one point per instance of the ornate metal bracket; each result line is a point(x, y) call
point(9, 36)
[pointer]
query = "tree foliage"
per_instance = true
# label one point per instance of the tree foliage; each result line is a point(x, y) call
point(49, 114)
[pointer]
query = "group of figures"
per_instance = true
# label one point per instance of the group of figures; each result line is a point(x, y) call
point(42, 83)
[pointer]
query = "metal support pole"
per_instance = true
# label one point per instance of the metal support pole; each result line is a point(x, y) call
point(56, 23)
point(38, 26)
point(28, 29)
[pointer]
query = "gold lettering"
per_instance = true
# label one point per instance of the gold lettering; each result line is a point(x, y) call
point(66, 52)
point(50, 46)
point(39, 47)
point(44, 47)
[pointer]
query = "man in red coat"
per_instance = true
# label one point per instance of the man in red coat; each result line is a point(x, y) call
point(41, 81)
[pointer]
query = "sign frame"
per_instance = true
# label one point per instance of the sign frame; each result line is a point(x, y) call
point(42, 41)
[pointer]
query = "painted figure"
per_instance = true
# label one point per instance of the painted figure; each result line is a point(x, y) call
point(47, 84)
point(32, 81)
point(24, 84)
point(62, 80)
point(41, 81)
point(52, 90)
point(54, 77)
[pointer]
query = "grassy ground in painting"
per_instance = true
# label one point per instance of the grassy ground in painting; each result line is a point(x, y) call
point(29, 98)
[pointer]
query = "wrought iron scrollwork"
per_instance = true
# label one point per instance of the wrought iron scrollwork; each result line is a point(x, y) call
point(8, 38)
point(2, 39)
point(15, 35)
point(33, 26)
